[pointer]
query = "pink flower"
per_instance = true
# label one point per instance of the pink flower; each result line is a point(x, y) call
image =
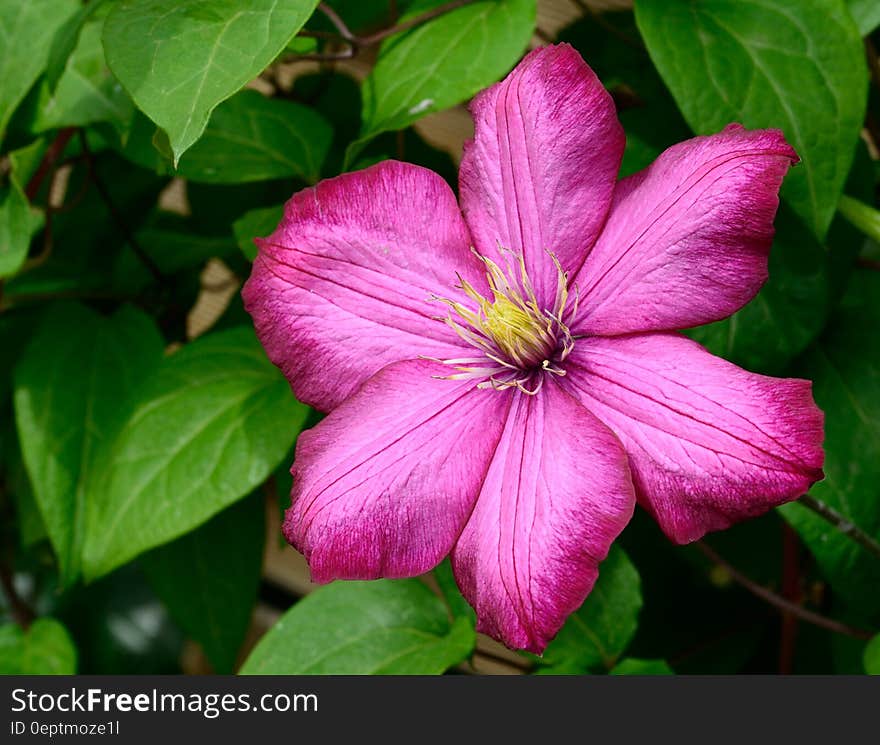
point(506, 380)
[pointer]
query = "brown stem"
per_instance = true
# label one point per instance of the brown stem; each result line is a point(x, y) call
point(355, 43)
point(844, 525)
point(53, 152)
point(418, 20)
point(343, 54)
point(791, 590)
point(334, 18)
point(780, 603)
point(42, 297)
point(609, 27)
point(872, 126)
point(48, 234)
point(865, 263)
point(543, 35)
point(519, 663)
point(117, 216)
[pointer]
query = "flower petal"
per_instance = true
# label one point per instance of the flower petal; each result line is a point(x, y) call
point(383, 486)
point(709, 444)
point(539, 173)
point(556, 495)
point(343, 286)
point(687, 239)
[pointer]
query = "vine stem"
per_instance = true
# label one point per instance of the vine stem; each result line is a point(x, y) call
point(117, 216)
point(355, 43)
point(791, 591)
point(53, 153)
point(845, 526)
point(779, 602)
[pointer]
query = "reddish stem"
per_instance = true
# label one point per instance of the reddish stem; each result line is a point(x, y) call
point(52, 154)
point(791, 591)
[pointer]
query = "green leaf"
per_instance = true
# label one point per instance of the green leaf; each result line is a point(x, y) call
point(44, 649)
point(73, 385)
point(121, 626)
point(26, 29)
point(871, 658)
point(16, 329)
point(89, 237)
point(65, 41)
point(633, 666)
point(86, 92)
point(650, 118)
point(458, 606)
point(599, 631)
point(861, 216)
point(788, 312)
point(180, 58)
point(31, 528)
point(866, 14)
point(254, 138)
point(174, 247)
point(210, 425)
point(18, 220)
point(138, 145)
point(769, 63)
point(384, 627)
point(442, 63)
point(213, 599)
point(18, 223)
point(359, 15)
point(26, 160)
point(257, 223)
point(844, 366)
point(302, 45)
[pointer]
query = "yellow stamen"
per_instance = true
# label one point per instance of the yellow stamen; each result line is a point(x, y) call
point(520, 339)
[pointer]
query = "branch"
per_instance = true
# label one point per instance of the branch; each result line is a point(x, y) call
point(872, 264)
point(845, 526)
point(334, 18)
point(596, 15)
point(418, 20)
point(53, 152)
point(779, 602)
point(29, 298)
point(117, 216)
point(791, 591)
point(355, 43)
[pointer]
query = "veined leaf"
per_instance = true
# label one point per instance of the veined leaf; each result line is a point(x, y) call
point(44, 649)
point(210, 425)
point(442, 63)
point(844, 366)
point(180, 58)
point(384, 627)
point(599, 631)
point(254, 138)
point(793, 64)
point(26, 30)
point(213, 600)
point(72, 386)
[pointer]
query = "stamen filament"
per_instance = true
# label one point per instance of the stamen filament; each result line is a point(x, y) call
point(520, 340)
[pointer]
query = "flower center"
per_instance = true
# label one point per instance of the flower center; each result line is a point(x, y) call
point(520, 340)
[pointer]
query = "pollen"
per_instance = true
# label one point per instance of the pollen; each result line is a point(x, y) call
point(520, 340)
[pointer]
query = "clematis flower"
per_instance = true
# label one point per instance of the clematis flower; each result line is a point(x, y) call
point(506, 379)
